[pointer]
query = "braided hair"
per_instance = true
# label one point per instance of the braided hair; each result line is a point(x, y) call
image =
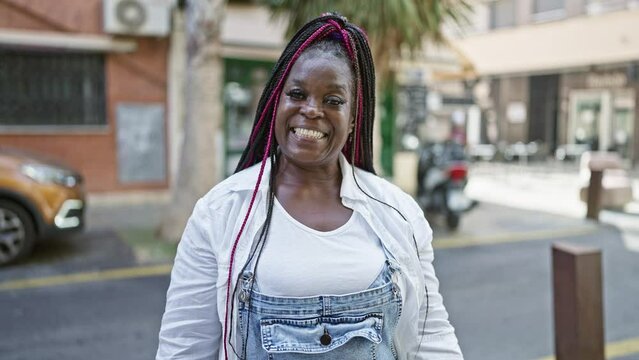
point(328, 28)
point(330, 33)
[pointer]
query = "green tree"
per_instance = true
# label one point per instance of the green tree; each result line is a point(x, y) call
point(396, 29)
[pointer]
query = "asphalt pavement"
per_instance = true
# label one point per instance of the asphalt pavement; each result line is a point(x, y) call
point(91, 296)
point(496, 270)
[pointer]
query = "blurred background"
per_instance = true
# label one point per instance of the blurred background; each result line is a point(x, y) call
point(498, 116)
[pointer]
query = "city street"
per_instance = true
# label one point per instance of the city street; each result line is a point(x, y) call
point(89, 297)
point(518, 121)
point(500, 296)
point(116, 319)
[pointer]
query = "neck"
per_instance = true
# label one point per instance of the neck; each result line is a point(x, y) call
point(291, 174)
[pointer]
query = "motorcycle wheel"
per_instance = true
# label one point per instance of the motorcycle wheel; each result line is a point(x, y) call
point(452, 220)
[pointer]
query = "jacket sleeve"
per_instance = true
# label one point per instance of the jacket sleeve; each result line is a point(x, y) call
point(437, 336)
point(191, 328)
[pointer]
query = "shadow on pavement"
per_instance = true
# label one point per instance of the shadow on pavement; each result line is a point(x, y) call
point(88, 251)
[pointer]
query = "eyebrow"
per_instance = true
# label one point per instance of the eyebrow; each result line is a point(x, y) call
point(300, 82)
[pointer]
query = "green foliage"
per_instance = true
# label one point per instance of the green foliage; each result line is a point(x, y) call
point(394, 27)
point(391, 25)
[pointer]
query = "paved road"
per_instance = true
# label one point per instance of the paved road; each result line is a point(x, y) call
point(96, 320)
point(499, 296)
point(495, 275)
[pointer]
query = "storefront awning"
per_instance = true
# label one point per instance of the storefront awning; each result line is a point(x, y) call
point(64, 41)
point(570, 44)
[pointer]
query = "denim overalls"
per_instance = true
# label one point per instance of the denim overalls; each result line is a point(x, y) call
point(354, 326)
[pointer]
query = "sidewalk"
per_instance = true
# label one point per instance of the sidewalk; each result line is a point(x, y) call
point(133, 218)
point(547, 187)
point(549, 194)
point(516, 202)
point(133, 210)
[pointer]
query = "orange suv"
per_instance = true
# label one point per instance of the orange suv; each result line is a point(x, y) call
point(38, 198)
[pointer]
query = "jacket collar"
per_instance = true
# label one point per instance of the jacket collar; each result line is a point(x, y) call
point(246, 179)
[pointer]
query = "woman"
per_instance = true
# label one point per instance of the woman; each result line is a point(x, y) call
point(299, 254)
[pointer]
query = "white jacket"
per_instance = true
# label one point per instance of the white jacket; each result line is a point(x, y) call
point(192, 326)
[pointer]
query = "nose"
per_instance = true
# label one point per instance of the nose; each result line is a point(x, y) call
point(311, 110)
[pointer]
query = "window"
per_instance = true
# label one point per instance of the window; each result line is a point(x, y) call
point(502, 13)
point(548, 5)
point(545, 10)
point(244, 81)
point(51, 89)
point(601, 6)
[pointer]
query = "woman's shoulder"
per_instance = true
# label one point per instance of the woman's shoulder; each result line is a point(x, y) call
point(383, 189)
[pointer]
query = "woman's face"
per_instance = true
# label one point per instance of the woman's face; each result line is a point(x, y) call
point(314, 114)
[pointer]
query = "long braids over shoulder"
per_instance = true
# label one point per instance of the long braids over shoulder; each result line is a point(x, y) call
point(262, 144)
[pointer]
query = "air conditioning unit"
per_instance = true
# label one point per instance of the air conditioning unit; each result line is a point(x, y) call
point(137, 17)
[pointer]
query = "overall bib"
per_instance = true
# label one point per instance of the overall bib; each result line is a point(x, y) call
point(354, 326)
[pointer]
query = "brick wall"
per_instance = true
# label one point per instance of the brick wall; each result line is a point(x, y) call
point(138, 77)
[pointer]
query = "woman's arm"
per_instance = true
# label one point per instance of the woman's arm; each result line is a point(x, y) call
point(190, 326)
point(437, 336)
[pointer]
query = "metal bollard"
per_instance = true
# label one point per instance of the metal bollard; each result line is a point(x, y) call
point(594, 194)
point(578, 303)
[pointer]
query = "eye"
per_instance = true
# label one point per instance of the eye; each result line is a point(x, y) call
point(335, 101)
point(296, 94)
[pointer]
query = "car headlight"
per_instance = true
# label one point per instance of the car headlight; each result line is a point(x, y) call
point(48, 174)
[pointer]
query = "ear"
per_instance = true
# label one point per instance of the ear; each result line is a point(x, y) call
point(351, 127)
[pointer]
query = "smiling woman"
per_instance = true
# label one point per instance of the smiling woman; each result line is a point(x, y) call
point(326, 260)
point(314, 114)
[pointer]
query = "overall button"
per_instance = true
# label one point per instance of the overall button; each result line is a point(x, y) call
point(395, 289)
point(244, 296)
point(247, 276)
point(326, 338)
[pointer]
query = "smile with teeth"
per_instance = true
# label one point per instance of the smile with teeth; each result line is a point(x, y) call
point(308, 133)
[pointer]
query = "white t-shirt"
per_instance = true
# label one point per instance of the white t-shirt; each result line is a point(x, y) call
point(300, 261)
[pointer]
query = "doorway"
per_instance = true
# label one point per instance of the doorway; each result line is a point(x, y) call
point(603, 120)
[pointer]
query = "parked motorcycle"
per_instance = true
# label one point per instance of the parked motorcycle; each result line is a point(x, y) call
point(442, 174)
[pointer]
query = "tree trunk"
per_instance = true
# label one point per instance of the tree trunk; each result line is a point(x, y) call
point(202, 149)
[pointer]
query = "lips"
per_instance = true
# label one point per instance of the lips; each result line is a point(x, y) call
point(308, 133)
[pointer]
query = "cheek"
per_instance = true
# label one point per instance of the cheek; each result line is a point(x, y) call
point(280, 117)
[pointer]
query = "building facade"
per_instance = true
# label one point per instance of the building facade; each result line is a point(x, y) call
point(563, 74)
point(78, 86)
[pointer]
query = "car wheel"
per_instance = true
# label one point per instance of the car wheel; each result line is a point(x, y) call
point(17, 232)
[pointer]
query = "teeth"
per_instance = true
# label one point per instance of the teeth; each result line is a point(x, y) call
point(308, 133)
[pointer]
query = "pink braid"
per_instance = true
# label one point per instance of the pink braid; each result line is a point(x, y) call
point(336, 24)
point(276, 96)
point(360, 109)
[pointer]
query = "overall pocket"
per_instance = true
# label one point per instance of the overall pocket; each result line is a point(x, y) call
point(349, 337)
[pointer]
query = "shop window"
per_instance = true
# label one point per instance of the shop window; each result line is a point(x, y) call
point(502, 14)
point(51, 89)
point(603, 120)
point(243, 84)
point(601, 6)
point(546, 10)
point(623, 110)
